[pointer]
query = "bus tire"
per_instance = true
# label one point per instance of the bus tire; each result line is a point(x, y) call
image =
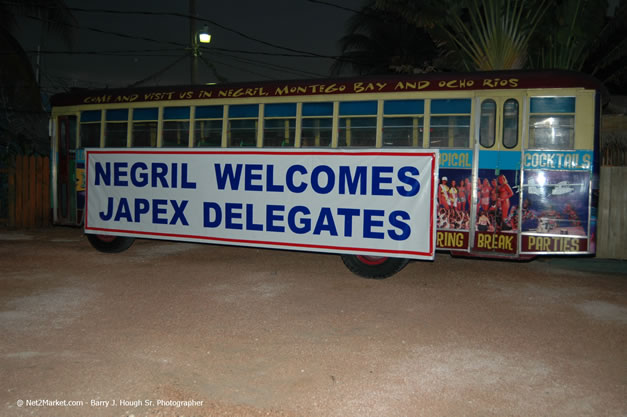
point(110, 244)
point(374, 267)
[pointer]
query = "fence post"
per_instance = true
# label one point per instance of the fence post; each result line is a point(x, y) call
point(612, 226)
point(19, 179)
point(28, 196)
point(46, 206)
point(603, 225)
point(11, 196)
point(32, 191)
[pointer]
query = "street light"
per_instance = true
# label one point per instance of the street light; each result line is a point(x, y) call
point(202, 36)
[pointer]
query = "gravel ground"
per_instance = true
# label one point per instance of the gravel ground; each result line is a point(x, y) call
point(176, 329)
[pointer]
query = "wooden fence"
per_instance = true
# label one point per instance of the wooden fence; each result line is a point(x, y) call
point(612, 218)
point(27, 203)
point(612, 215)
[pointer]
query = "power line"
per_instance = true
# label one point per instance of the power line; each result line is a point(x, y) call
point(337, 6)
point(109, 32)
point(126, 36)
point(169, 52)
point(115, 52)
point(64, 83)
point(161, 71)
point(181, 46)
point(365, 11)
point(123, 52)
point(200, 19)
point(241, 51)
point(175, 14)
point(274, 67)
point(245, 70)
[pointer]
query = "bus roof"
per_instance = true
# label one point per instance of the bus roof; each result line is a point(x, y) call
point(438, 81)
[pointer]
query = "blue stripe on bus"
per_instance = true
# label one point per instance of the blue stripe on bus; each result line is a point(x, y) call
point(404, 107)
point(280, 110)
point(91, 116)
point(451, 106)
point(499, 159)
point(552, 105)
point(209, 112)
point(317, 109)
point(146, 114)
point(176, 113)
point(117, 115)
point(358, 108)
point(244, 110)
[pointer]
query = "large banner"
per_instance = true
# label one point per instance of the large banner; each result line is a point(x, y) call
point(378, 203)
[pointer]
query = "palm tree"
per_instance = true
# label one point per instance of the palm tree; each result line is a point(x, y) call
point(496, 34)
point(591, 42)
point(606, 58)
point(481, 34)
point(569, 29)
point(383, 42)
point(548, 34)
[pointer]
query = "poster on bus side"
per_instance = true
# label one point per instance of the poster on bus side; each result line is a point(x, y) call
point(556, 216)
point(454, 197)
point(370, 202)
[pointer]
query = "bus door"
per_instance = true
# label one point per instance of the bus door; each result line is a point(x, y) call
point(558, 197)
point(65, 196)
point(498, 175)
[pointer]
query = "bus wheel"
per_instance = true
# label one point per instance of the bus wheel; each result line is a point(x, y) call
point(374, 267)
point(110, 244)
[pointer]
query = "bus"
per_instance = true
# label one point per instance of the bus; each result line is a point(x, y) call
point(518, 150)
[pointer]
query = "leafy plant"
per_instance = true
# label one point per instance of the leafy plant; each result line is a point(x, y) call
point(496, 33)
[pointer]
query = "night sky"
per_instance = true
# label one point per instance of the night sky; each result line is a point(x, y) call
point(106, 60)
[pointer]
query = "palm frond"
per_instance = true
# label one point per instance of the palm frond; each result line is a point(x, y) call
point(495, 35)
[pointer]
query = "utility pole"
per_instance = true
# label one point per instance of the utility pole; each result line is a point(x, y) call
point(194, 43)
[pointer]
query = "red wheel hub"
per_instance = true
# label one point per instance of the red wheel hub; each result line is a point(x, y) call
point(372, 260)
point(106, 238)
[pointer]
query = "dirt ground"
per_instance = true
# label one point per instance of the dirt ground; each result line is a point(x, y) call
point(176, 329)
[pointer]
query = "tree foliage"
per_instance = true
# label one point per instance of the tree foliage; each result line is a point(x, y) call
point(55, 16)
point(495, 34)
point(568, 31)
point(381, 42)
point(515, 34)
point(606, 57)
point(479, 34)
point(22, 120)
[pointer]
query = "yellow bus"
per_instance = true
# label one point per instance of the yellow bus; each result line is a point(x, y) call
point(518, 150)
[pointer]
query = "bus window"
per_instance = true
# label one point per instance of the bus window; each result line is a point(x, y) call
point(90, 129)
point(510, 123)
point(72, 133)
point(552, 123)
point(116, 128)
point(176, 126)
point(243, 121)
point(208, 126)
point(358, 123)
point(450, 123)
point(279, 125)
point(317, 124)
point(144, 132)
point(402, 131)
point(487, 129)
point(403, 122)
